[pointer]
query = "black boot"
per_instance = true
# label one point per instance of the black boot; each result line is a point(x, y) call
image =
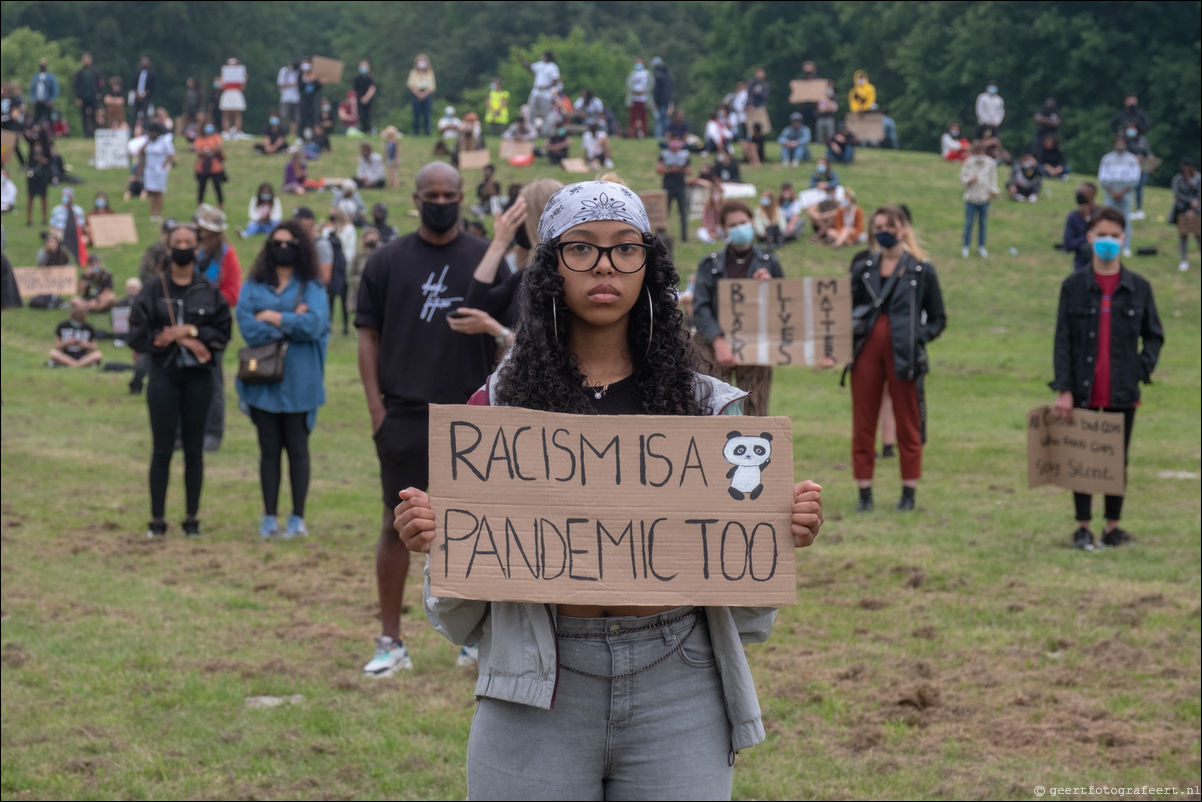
point(865, 502)
point(906, 503)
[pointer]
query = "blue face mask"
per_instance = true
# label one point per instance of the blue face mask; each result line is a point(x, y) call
point(1132, 133)
point(208, 129)
point(273, 120)
point(101, 203)
point(363, 70)
point(1107, 248)
point(741, 235)
point(992, 90)
point(638, 67)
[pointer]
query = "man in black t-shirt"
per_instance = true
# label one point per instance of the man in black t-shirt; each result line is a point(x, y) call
point(410, 358)
point(74, 342)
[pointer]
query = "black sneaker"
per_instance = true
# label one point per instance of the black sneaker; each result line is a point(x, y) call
point(1116, 537)
point(191, 527)
point(1083, 539)
point(906, 503)
point(887, 451)
point(156, 529)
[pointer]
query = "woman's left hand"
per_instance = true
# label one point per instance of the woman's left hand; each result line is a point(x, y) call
point(807, 512)
point(762, 274)
point(474, 321)
point(270, 316)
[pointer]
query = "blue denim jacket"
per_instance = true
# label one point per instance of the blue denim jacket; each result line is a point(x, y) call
point(518, 653)
point(303, 388)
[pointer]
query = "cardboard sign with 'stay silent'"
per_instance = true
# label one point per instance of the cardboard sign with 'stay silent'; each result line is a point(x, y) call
point(1085, 455)
point(611, 509)
point(789, 321)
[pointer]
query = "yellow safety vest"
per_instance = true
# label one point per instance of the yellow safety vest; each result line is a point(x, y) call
point(497, 110)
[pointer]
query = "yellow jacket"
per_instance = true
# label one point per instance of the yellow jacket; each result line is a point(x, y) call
point(497, 109)
point(862, 97)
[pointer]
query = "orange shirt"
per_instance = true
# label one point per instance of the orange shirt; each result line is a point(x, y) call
point(213, 142)
point(857, 225)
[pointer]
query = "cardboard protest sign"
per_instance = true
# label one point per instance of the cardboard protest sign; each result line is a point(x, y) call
point(8, 139)
point(1189, 223)
point(656, 204)
point(513, 147)
point(119, 315)
point(34, 281)
point(327, 70)
point(474, 159)
point(759, 115)
point(868, 126)
point(698, 198)
point(112, 229)
point(574, 165)
point(233, 74)
point(792, 321)
point(1085, 455)
point(808, 91)
point(611, 509)
point(111, 148)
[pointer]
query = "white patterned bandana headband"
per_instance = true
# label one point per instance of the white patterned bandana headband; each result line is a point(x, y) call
point(591, 201)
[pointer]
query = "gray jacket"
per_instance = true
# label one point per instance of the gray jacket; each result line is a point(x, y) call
point(519, 650)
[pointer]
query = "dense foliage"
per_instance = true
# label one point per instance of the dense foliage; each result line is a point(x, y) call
point(928, 60)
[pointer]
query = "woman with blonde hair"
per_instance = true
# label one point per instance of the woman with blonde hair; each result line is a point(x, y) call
point(491, 307)
point(421, 85)
point(897, 309)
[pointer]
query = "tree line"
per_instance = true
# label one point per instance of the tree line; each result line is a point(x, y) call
point(927, 60)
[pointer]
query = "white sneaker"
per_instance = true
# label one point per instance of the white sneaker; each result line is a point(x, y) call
point(1126, 252)
point(1183, 266)
point(964, 252)
point(609, 164)
point(984, 254)
point(468, 656)
point(1138, 215)
point(1032, 198)
point(390, 657)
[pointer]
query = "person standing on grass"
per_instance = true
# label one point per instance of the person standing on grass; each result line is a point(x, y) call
point(1119, 175)
point(1108, 340)
point(282, 301)
point(903, 311)
point(978, 176)
point(601, 333)
point(1187, 189)
point(409, 358)
point(182, 322)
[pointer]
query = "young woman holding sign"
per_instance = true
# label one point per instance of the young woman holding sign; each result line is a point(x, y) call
point(600, 333)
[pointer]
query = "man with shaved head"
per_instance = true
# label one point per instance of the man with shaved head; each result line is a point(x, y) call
point(410, 358)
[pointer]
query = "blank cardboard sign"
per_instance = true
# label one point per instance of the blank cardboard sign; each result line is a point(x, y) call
point(808, 91)
point(868, 126)
point(112, 229)
point(327, 70)
point(513, 147)
point(1085, 455)
point(656, 204)
point(573, 165)
point(611, 509)
point(788, 321)
point(474, 159)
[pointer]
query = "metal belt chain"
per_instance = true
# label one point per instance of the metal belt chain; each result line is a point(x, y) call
point(625, 675)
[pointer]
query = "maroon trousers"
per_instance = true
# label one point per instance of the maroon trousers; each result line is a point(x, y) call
point(873, 370)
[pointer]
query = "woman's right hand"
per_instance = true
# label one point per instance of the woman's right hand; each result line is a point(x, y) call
point(414, 520)
point(506, 223)
point(198, 348)
point(722, 353)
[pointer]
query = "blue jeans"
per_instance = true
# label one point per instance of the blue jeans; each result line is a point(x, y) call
point(659, 733)
point(259, 227)
point(849, 153)
point(1139, 196)
point(801, 153)
point(661, 121)
point(421, 114)
point(890, 128)
point(1123, 206)
point(981, 212)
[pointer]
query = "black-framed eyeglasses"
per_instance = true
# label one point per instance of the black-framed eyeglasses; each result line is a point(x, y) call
point(581, 257)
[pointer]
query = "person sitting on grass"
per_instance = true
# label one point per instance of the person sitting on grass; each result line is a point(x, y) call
point(1051, 158)
point(370, 173)
point(275, 137)
point(95, 288)
point(264, 213)
point(75, 342)
point(1025, 179)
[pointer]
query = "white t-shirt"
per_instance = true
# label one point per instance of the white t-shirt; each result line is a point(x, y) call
point(287, 82)
point(546, 73)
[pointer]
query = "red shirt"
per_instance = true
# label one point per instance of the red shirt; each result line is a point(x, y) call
point(1100, 397)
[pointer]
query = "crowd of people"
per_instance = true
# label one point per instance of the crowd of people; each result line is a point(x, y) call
point(519, 320)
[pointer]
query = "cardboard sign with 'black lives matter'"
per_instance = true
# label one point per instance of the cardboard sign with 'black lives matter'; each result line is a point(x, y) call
point(603, 509)
point(1085, 455)
point(35, 281)
point(791, 321)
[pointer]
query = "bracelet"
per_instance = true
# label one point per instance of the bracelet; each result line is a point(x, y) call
point(503, 338)
point(193, 332)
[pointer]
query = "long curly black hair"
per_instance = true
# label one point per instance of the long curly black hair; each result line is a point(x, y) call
point(542, 373)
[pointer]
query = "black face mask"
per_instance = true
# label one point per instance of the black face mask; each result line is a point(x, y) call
point(521, 238)
point(183, 256)
point(1082, 199)
point(885, 239)
point(283, 254)
point(440, 217)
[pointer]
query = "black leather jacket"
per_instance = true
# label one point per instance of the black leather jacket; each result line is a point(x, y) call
point(915, 309)
point(705, 287)
point(1133, 318)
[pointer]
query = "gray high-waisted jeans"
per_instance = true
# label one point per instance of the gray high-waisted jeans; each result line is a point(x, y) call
point(638, 714)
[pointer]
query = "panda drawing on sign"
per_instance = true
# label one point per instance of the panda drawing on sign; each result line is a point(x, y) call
point(749, 455)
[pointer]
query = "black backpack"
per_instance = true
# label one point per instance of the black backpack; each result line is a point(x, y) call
point(338, 272)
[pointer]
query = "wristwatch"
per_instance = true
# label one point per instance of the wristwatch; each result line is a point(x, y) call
point(193, 332)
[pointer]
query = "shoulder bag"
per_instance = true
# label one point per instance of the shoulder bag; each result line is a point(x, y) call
point(264, 364)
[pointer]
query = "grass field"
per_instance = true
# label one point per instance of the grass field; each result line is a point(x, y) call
point(963, 651)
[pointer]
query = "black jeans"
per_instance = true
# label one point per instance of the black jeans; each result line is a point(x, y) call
point(279, 431)
point(1114, 504)
point(204, 178)
point(333, 296)
point(681, 196)
point(177, 399)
